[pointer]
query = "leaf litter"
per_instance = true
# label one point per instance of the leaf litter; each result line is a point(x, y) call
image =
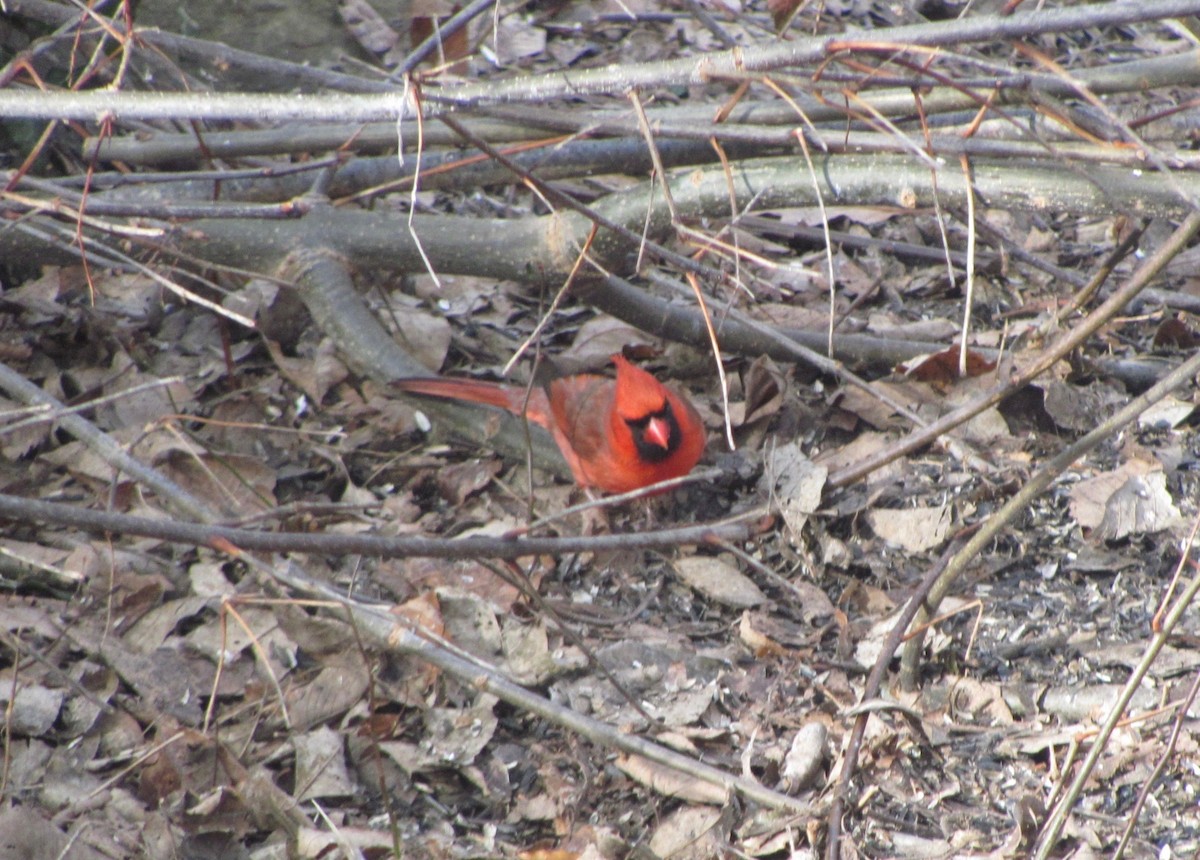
point(158, 699)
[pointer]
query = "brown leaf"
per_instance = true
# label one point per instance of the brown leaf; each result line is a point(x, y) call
point(1142, 505)
point(243, 485)
point(518, 37)
point(169, 679)
point(321, 765)
point(159, 777)
point(913, 529)
point(470, 622)
point(808, 750)
point(460, 481)
point(941, 368)
point(1177, 334)
point(455, 736)
point(425, 336)
point(765, 385)
point(717, 579)
point(758, 642)
point(340, 684)
point(34, 709)
point(547, 854)
point(1081, 407)
point(422, 612)
point(795, 483)
point(16, 442)
point(1089, 497)
point(367, 26)
point(669, 782)
point(692, 832)
point(154, 626)
point(313, 376)
point(527, 654)
point(26, 835)
point(596, 340)
point(47, 560)
point(139, 401)
point(781, 10)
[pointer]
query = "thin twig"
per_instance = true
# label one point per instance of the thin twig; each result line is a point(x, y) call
point(381, 626)
point(105, 446)
point(1058, 816)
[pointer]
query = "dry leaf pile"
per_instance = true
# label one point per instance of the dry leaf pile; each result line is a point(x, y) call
point(171, 696)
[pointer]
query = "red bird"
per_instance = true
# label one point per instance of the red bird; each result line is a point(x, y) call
point(616, 435)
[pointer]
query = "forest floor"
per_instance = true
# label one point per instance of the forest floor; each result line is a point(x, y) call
point(172, 698)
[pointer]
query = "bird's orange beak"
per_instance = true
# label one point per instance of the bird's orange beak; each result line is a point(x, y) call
point(659, 432)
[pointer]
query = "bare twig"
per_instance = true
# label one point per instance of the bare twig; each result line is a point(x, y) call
point(29, 510)
point(105, 446)
point(1048, 838)
point(801, 52)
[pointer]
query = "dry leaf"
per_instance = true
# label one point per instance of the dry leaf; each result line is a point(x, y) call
point(139, 401)
point(34, 709)
point(458, 482)
point(863, 446)
point(868, 648)
point(242, 485)
point(1169, 412)
point(941, 368)
point(423, 612)
point(341, 682)
point(1142, 505)
point(765, 385)
point(15, 443)
point(527, 653)
point(313, 376)
point(321, 765)
point(795, 483)
point(518, 37)
point(345, 841)
point(470, 623)
point(548, 854)
point(1089, 497)
point(28, 836)
point(1081, 407)
point(152, 629)
point(690, 833)
point(976, 702)
point(758, 642)
point(916, 529)
point(455, 736)
point(669, 782)
point(1177, 334)
point(717, 579)
point(802, 764)
point(596, 340)
point(424, 336)
point(367, 26)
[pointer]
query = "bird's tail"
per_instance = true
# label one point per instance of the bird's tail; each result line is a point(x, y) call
point(509, 397)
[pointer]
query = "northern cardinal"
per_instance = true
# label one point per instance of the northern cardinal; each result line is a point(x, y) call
point(616, 435)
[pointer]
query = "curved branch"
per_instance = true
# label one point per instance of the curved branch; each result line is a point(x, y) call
point(323, 278)
point(542, 250)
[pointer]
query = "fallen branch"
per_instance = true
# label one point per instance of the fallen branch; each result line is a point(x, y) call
point(220, 537)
